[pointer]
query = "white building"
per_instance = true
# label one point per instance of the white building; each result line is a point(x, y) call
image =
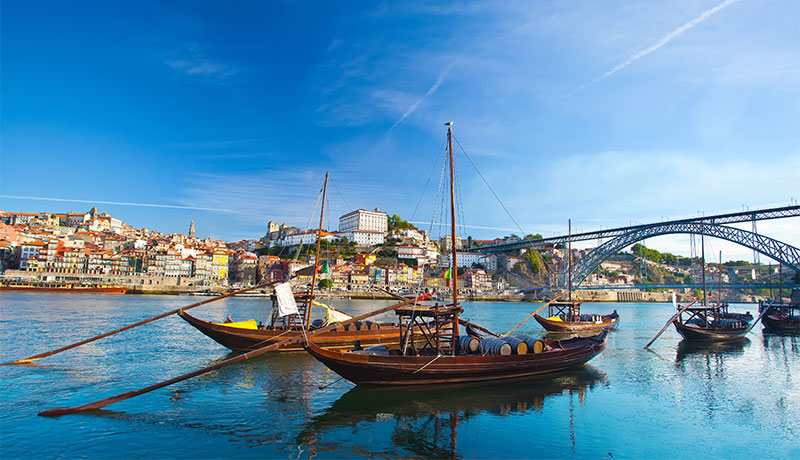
point(309, 237)
point(364, 237)
point(361, 219)
point(466, 259)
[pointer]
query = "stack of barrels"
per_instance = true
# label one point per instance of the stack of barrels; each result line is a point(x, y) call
point(361, 326)
point(500, 346)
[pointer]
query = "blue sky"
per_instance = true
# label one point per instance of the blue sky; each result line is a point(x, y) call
point(229, 113)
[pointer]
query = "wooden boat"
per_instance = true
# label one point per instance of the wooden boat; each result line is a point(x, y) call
point(64, 288)
point(445, 356)
point(567, 317)
point(708, 324)
point(781, 316)
point(249, 335)
point(711, 323)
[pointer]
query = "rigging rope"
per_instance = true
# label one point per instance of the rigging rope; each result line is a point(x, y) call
point(425, 187)
point(489, 186)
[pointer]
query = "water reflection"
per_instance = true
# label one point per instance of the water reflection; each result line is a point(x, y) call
point(716, 350)
point(424, 421)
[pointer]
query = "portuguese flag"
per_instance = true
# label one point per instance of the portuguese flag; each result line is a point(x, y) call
point(446, 275)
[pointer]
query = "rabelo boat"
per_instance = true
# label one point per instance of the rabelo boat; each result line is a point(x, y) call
point(443, 355)
point(711, 322)
point(252, 335)
point(566, 316)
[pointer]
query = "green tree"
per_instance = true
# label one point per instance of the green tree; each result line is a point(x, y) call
point(325, 284)
point(534, 261)
point(397, 222)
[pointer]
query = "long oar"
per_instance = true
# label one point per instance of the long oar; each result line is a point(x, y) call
point(670, 322)
point(252, 354)
point(131, 326)
point(532, 315)
point(763, 312)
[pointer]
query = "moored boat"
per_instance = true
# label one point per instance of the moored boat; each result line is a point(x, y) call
point(250, 335)
point(64, 288)
point(567, 317)
point(445, 356)
point(781, 316)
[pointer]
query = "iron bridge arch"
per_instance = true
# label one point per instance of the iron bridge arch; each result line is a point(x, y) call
point(782, 252)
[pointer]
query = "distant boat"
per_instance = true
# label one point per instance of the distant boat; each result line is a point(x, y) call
point(780, 316)
point(567, 317)
point(711, 323)
point(445, 356)
point(63, 288)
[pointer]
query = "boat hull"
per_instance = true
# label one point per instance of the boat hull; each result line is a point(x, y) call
point(780, 323)
point(239, 339)
point(607, 322)
point(366, 369)
point(703, 334)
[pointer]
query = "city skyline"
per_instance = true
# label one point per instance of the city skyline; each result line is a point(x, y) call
point(230, 115)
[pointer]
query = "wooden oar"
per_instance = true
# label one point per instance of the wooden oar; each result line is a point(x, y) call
point(670, 322)
point(251, 354)
point(532, 315)
point(763, 312)
point(31, 359)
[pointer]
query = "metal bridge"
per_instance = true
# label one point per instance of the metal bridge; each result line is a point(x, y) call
point(706, 225)
point(614, 287)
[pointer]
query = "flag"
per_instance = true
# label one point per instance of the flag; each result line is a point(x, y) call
point(286, 303)
point(324, 267)
point(446, 275)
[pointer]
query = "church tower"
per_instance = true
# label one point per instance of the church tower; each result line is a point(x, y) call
point(191, 229)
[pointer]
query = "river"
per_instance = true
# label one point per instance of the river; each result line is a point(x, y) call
point(739, 401)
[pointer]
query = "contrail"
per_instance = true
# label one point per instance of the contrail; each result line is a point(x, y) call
point(121, 203)
point(668, 38)
point(428, 93)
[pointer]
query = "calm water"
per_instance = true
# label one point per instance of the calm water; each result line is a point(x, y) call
point(672, 402)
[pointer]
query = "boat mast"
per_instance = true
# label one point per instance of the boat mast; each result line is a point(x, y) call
point(316, 257)
point(703, 260)
point(719, 287)
point(569, 260)
point(454, 268)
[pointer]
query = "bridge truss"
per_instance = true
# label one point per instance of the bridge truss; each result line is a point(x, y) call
point(782, 252)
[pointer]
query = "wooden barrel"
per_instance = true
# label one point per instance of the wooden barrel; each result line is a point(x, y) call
point(369, 326)
point(467, 344)
point(354, 326)
point(494, 346)
point(518, 347)
point(531, 343)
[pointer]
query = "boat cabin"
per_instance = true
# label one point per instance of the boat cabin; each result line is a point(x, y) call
point(427, 330)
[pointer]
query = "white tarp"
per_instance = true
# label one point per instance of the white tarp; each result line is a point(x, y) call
point(333, 315)
point(286, 303)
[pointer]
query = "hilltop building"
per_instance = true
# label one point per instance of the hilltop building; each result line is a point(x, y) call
point(366, 228)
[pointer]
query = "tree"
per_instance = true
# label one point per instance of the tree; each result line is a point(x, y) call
point(397, 222)
point(325, 283)
point(537, 236)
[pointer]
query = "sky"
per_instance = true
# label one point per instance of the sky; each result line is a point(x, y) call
point(608, 113)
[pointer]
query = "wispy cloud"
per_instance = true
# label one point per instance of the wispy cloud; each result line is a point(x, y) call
point(430, 91)
point(120, 203)
point(196, 63)
point(667, 38)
